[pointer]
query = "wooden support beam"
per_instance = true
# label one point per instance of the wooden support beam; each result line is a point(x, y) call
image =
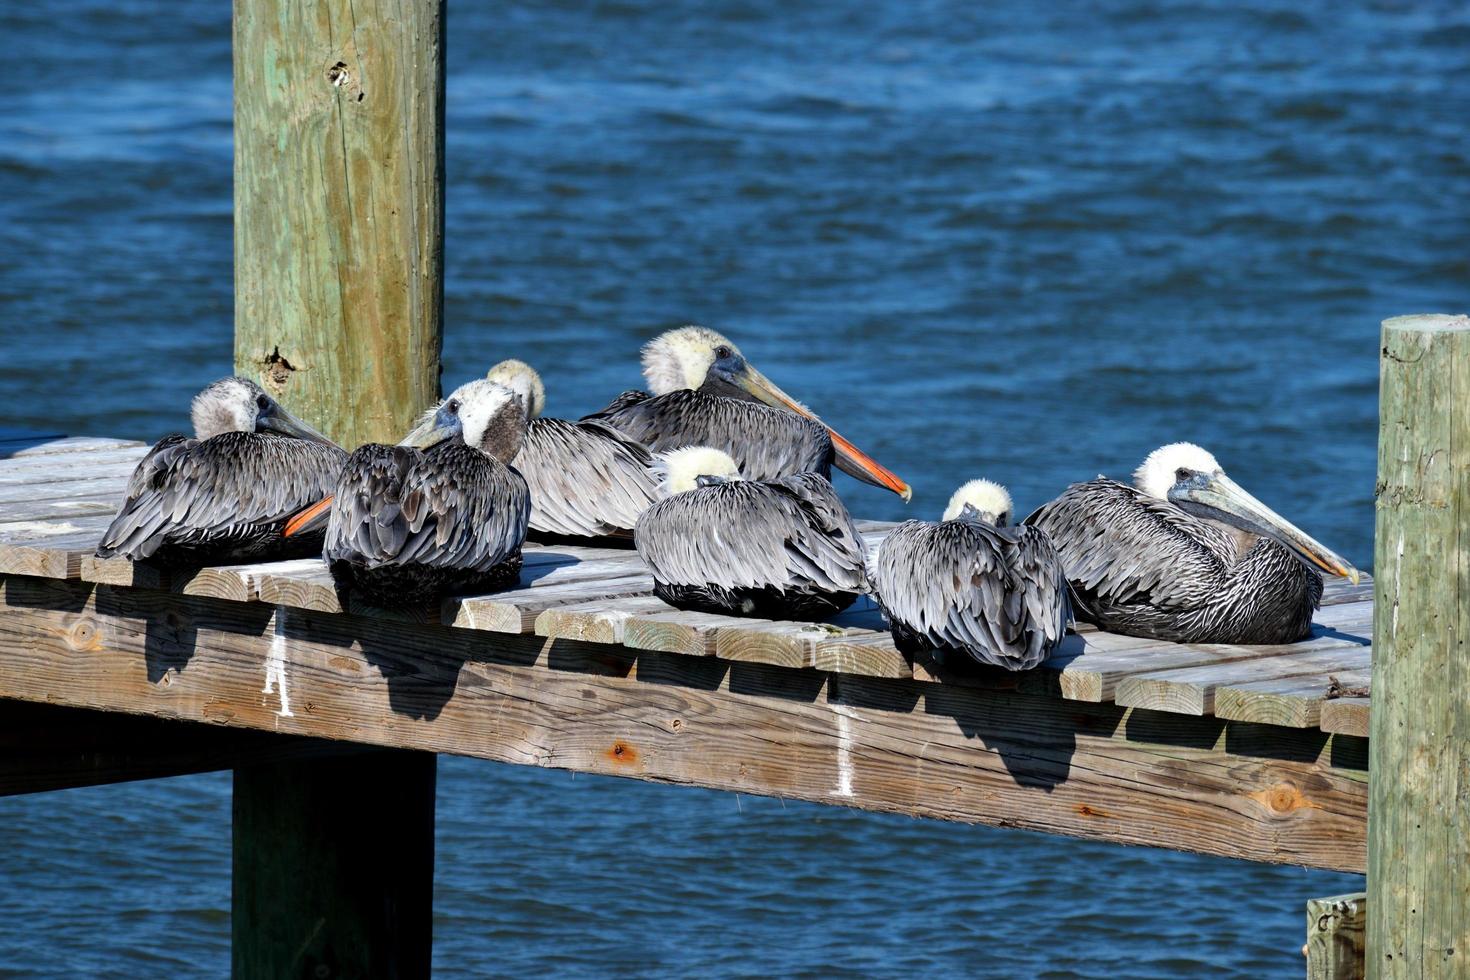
point(334, 867)
point(339, 208)
point(1419, 853)
point(1335, 929)
point(46, 747)
point(970, 754)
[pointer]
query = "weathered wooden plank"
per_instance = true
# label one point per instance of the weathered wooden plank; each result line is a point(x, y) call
point(1290, 701)
point(45, 747)
point(599, 621)
point(943, 751)
point(233, 582)
point(1346, 716)
point(1097, 670)
point(67, 467)
point(1336, 929)
point(782, 644)
point(1419, 860)
point(113, 484)
point(1336, 591)
point(307, 583)
point(50, 549)
point(60, 508)
point(1191, 690)
point(516, 610)
point(339, 209)
point(690, 633)
point(24, 448)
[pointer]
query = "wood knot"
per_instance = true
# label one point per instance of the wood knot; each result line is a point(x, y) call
point(277, 371)
point(677, 724)
point(1083, 810)
point(1283, 798)
point(83, 636)
point(338, 75)
point(622, 753)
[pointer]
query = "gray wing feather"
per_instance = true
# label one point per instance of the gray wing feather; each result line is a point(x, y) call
point(792, 534)
point(186, 489)
point(1122, 546)
point(1000, 594)
point(587, 479)
point(767, 443)
point(452, 507)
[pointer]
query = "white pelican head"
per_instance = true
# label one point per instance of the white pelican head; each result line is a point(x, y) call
point(522, 379)
point(488, 416)
point(681, 470)
point(699, 358)
point(681, 358)
point(1189, 478)
point(980, 500)
point(241, 405)
point(1168, 465)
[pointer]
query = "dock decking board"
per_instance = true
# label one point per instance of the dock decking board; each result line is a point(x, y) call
point(604, 595)
point(1006, 758)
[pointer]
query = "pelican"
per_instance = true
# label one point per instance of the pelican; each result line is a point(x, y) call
point(971, 585)
point(705, 393)
point(224, 495)
point(1187, 555)
point(441, 512)
point(587, 479)
point(784, 549)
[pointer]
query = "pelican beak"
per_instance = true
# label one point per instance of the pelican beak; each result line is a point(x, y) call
point(283, 422)
point(435, 428)
point(308, 519)
point(1222, 498)
point(850, 459)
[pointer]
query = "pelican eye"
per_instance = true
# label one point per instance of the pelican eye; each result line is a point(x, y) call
point(452, 406)
point(262, 402)
point(722, 352)
point(1181, 474)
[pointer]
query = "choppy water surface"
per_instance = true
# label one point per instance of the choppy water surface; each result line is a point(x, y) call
point(982, 239)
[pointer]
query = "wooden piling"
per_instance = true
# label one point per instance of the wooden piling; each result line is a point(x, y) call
point(339, 286)
point(1419, 853)
point(334, 867)
point(339, 208)
point(1334, 946)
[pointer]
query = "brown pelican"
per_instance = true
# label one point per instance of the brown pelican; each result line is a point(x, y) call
point(225, 495)
point(587, 479)
point(1186, 555)
point(784, 549)
point(441, 512)
point(705, 393)
point(971, 585)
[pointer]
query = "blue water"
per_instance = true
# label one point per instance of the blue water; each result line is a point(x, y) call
point(996, 240)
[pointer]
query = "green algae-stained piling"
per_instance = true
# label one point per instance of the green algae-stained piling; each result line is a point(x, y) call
point(1419, 856)
point(339, 208)
point(339, 294)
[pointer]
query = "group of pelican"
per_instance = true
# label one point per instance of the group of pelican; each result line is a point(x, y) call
point(722, 483)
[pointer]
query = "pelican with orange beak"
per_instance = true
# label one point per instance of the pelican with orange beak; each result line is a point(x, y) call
point(703, 392)
point(1186, 554)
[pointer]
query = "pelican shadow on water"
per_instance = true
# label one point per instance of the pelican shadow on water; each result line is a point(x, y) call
point(1186, 554)
point(587, 479)
point(705, 393)
point(226, 494)
point(441, 513)
point(970, 587)
point(779, 549)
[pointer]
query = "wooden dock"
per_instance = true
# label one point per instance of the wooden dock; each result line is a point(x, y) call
point(1229, 750)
